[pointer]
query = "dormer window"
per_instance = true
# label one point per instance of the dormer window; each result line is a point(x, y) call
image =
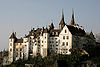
point(10, 44)
point(56, 33)
point(60, 26)
point(52, 33)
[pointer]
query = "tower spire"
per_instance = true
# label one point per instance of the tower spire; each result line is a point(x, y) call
point(92, 35)
point(62, 22)
point(51, 26)
point(72, 19)
point(62, 14)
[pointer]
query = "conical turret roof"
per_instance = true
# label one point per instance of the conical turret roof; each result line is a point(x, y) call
point(13, 35)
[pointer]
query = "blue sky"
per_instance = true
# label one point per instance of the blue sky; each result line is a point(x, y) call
point(22, 15)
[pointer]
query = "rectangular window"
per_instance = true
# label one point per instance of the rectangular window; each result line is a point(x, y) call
point(38, 41)
point(67, 37)
point(56, 48)
point(16, 49)
point(65, 31)
point(56, 41)
point(20, 49)
point(42, 41)
point(63, 44)
point(66, 43)
point(55, 38)
point(20, 54)
point(10, 44)
point(50, 41)
point(63, 37)
point(50, 48)
point(10, 49)
point(56, 45)
point(17, 54)
point(66, 49)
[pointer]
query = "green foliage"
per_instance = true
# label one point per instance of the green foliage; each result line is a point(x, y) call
point(18, 63)
point(49, 61)
point(75, 58)
point(94, 53)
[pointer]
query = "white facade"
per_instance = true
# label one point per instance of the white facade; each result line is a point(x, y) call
point(65, 41)
point(25, 48)
point(43, 41)
point(11, 50)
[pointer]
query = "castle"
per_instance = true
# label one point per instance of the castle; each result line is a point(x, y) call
point(49, 40)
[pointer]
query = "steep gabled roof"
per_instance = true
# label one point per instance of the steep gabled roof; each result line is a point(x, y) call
point(92, 35)
point(34, 33)
point(55, 32)
point(76, 31)
point(51, 26)
point(45, 30)
point(19, 41)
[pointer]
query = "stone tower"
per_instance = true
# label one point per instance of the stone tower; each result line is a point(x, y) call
point(12, 39)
